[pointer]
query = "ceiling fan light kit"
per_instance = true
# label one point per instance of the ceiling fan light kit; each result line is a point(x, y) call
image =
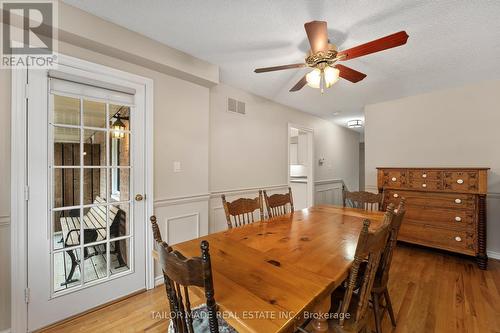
point(322, 78)
point(323, 57)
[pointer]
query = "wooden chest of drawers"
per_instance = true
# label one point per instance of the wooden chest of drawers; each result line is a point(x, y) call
point(446, 207)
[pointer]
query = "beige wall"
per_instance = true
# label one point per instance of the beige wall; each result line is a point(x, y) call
point(449, 128)
point(251, 150)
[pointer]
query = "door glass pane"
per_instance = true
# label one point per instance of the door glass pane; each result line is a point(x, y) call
point(66, 228)
point(66, 146)
point(94, 185)
point(66, 269)
point(120, 256)
point(119, 184)
point(119, 150)
point(95, 262)
point(94, 114)
point(95, 224)
point(85, 181)
point(66, 110)
point(94, 148)
point(66, 187)
point(119, 220)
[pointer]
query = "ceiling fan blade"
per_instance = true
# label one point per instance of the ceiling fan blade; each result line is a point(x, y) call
point(299, 85)
point(384, 43)
point(317, 34)
point(278, 68)
point(350, 74)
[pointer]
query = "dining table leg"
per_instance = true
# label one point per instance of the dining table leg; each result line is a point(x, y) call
point(320, 323)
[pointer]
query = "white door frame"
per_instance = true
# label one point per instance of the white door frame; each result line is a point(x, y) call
point(310, 158)
point(19, 232)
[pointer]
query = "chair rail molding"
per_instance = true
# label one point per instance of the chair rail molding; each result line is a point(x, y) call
point(329, 181)
point(240, 191)
point(171, 201)
point(4, 221)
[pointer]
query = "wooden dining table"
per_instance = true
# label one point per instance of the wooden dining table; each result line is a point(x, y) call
point(271, 276)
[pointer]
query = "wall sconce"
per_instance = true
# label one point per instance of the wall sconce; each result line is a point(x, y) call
point(321, 161)
point(118, 127)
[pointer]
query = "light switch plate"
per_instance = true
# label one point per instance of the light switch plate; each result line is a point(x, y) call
point(177, 166)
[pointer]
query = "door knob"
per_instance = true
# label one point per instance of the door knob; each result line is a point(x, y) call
point(139, 197)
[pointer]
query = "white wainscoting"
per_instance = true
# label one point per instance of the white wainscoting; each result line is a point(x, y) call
point(5, 273)
point(181, 219)
point(328, 192)
point(493, 225)
point(217, 215)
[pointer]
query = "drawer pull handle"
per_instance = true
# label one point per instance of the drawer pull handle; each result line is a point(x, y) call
point(424, 175)
point(458, 239)
point(395, 195)
point(460, 181)
point(394, 179)
point(458, 219)
point(424, 185)
point(458, 201)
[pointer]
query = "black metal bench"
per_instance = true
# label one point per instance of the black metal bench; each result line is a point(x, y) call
point(94, 230)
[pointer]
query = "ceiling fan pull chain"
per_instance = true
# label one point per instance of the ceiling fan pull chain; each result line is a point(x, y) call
point(322, 83)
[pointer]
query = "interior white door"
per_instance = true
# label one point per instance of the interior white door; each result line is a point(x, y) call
point(86, 216)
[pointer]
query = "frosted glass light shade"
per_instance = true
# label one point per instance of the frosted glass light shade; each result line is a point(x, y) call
point(330, 74)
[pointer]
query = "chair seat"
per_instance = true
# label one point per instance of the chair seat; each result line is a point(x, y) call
point(200, 322)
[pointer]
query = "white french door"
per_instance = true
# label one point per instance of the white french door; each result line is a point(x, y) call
point(86, 207)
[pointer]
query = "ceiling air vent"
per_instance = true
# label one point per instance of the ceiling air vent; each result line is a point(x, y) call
point(235, 106)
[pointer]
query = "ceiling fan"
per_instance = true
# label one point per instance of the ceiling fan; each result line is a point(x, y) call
point(323, 57)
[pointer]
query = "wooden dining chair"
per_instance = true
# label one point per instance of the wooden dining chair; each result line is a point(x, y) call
point(242, 210)
point(363, 200)
point(279, 204)
point(179, 274)
point(380, 291)
point(351, 298)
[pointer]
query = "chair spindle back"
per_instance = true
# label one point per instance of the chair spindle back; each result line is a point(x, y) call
point(363, 200)
point(241, 211)
point(277, 204)
point(179, 274)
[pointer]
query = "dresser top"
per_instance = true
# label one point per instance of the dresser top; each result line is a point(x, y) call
point(435, 168)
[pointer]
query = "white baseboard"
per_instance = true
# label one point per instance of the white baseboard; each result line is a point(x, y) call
point(158, 281)
point(493, 255)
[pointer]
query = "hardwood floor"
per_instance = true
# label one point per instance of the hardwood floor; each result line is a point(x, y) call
point(431, 291)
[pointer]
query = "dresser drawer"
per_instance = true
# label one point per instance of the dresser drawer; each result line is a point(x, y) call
point(461, 181)
point(423, 199)
point(393, 178)
point(460, 241)
point(456, 219)
point(425, 175)
point(425, 184)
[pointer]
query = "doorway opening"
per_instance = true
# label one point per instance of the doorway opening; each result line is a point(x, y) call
point(301, 165)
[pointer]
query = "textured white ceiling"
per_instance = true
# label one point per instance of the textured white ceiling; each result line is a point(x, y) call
point(451, 43)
